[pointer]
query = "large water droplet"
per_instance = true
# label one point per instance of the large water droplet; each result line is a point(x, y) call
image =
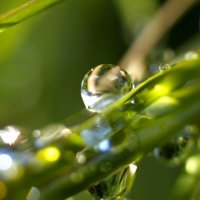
point(115, 186)
point(103, 85)
point(164, 67)
point(178, 147)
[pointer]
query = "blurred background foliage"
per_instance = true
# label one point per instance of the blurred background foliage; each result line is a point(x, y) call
point(43, 60)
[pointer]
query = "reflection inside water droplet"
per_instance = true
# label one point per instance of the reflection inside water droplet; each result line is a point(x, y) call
point(103, 85)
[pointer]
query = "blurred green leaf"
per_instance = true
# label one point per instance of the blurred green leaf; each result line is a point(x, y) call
point(24, 11)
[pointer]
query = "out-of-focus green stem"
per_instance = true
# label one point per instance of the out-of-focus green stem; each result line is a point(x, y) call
point(184, 187)
point(187, 185)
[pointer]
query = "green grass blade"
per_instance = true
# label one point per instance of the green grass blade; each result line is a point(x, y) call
point(146, 137)
point(25, 11)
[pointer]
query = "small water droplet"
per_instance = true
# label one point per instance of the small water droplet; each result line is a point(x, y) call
point(80, 158)
point(103, 85)
point(164, 67)
point(191, 55)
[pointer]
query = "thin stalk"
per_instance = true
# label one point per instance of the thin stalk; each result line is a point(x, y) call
point(135, 57)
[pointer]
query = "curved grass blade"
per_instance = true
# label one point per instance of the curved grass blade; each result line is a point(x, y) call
point(24, 11)
point(104, 164)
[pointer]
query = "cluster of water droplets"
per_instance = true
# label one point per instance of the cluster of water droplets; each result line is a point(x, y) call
point(100, 87)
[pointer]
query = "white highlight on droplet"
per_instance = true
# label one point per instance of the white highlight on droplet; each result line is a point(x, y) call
point(133, 168)
point(5, 162)
point(9, 134)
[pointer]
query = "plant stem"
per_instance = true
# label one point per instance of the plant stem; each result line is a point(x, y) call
point(135, 57)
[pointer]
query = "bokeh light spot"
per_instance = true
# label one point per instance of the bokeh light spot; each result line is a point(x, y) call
point(49, 154)
point(5, 162)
